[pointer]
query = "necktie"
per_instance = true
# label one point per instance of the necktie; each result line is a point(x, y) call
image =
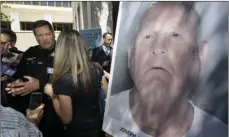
point(107, 51)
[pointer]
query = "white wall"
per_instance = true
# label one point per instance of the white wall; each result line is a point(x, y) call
point(93, 15)
point(30, 13)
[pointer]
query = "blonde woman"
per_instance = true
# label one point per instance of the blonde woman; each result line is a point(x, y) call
point(75, 87)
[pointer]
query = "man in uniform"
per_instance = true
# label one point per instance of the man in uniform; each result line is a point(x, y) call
point(33, 73)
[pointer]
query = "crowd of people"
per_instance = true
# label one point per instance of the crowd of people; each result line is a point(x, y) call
point(53, 88)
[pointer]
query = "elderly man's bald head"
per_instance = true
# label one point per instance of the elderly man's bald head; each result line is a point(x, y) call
point(166, 49)
point(172, 16)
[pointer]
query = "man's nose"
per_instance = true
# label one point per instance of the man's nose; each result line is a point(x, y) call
point(159, 48)
point(44, 37)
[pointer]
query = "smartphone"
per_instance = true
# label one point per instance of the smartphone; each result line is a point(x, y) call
point(35, 100)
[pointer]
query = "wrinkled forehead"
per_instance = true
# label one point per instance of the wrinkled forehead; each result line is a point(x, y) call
point(170, 17)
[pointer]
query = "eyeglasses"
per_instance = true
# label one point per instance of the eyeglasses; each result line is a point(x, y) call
point(3, 43)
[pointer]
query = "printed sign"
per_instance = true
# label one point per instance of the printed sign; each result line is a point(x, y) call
point(92, 37)
point(169, 75)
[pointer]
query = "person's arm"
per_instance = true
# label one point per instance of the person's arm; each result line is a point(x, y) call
point(104, 85)
point(106, 63)
point(23, 88)
point(63, 107)
point(19, 87)
point(106, 74)
point(61, 98)
point(18, 123)
point(35, 115)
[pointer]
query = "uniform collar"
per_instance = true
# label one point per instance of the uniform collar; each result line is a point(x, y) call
point(49, 50)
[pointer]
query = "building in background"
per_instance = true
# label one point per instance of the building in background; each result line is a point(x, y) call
point(24, 13)
point(97, 14)
point(62, 14)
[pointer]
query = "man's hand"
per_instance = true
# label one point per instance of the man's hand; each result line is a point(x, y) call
point(23, 88)
point(35, 115)
point(106, 74)
point(106, 63)
point(4, 48)
point(49, 90)
point(104, 85)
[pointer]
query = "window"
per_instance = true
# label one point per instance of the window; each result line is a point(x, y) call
point(18, 2)
point(58, 4)
point(35, 2)
point(51, 3)
point(5, 25)
point(43, 3)
point(9, 2)
point(65, 3)
point(26, 25)
point(62, 26)
point(27, 3)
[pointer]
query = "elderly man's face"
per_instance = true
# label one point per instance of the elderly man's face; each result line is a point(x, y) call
point(166, 58)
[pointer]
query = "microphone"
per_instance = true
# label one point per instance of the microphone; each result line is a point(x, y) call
point(14, 50)
point(10, 71)
point(50, 79)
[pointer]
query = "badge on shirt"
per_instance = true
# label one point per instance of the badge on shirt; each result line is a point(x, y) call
point(53, 54)
point(49, 70)
point(30, 59)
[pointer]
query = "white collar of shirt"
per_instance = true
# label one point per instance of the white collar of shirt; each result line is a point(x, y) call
point(106, 50)
point(203, 124)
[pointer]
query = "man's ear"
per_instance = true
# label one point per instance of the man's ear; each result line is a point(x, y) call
point(130, 54)
point(203, 50)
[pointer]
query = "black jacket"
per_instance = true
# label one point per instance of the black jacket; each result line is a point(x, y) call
point(98, 55)
point(35, 63)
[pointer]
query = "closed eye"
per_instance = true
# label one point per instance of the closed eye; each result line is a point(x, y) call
point(174, 34)
point(147, 36)
point(151, 35)
point(177, 37)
